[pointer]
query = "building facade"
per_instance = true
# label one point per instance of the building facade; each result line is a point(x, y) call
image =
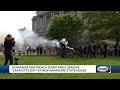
point(41, 22)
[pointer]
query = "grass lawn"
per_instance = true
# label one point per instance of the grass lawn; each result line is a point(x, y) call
point(56, 60)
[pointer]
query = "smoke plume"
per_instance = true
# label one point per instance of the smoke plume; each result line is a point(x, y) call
point(27, 38)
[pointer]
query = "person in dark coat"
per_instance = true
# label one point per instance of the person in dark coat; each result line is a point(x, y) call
point(9, 43)
point(94, 50)
point(41, 49)
point(119, 50)
point(38, 50)
point(89, 50)
point(81, 50)
point(116, 49)
point(63, 50)
point(85, 49)
point(104, 50)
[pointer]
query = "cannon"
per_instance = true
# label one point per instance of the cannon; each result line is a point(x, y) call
point(71, 52)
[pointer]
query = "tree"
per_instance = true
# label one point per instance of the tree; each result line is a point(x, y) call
point(66, 26)
point(105, 24)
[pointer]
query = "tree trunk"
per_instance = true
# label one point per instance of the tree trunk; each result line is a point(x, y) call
point(117, 40)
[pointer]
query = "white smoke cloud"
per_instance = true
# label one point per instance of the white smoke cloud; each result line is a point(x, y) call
point(2, 37)
point(28, 38)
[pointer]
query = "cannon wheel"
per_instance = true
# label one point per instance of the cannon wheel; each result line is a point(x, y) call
point(70, 53)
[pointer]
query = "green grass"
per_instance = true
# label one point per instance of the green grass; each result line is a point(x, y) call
point(56, 60)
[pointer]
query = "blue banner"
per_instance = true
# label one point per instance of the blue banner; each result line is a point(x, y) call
point(4, 68)
point(115, 68)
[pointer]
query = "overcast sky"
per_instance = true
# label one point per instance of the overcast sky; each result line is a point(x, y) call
point(14, 20)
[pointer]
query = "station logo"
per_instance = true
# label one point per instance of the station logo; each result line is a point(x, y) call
point(103, 68)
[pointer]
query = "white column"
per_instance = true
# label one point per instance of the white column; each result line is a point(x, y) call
point(37, 23)
point(75, 12)
point(38, 19)
point(51, 15)
point(42, 23)
point(59, 12)
point(45, 22)
point(62, 12)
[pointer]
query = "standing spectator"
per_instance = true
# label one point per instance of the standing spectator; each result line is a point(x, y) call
point(9, 43)
point(63, 50)
point(119, 49)
point(104, 50)
point(45, 50)
point(115, 49)
point(81, 50)
point(94, 51)
point(89, 50)
point(27, 50)
point(50, 50)
point(30, 50)
point(41, 49)
point(34, 50)
point(38, 50)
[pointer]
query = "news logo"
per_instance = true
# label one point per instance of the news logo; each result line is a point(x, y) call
point(103, 68)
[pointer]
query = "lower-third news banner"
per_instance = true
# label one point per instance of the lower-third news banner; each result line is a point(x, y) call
point(59, 68)
point(52, 69)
